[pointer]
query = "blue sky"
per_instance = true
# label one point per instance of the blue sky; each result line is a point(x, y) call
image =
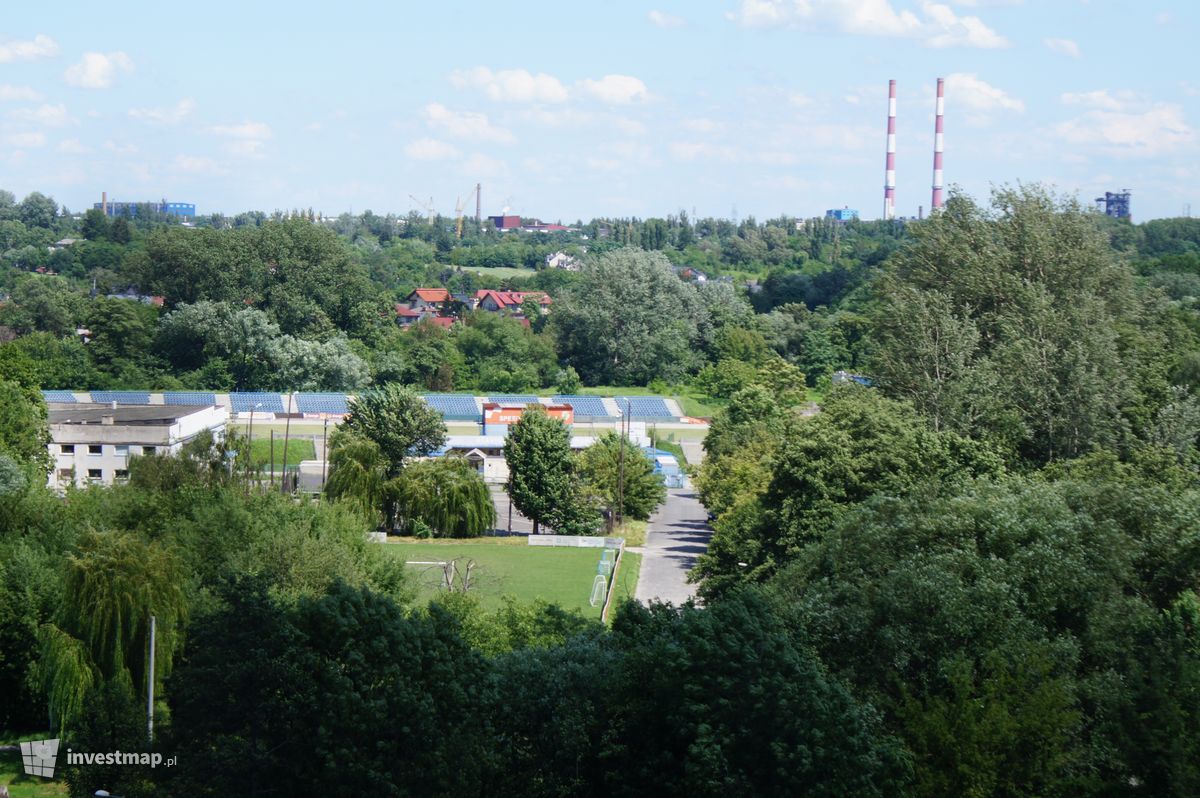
point(568, 110)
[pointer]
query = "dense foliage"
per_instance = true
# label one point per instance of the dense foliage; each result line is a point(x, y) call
point(975, 574)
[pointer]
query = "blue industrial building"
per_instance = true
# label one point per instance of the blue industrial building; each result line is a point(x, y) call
point(183, 210)
point(841, 214)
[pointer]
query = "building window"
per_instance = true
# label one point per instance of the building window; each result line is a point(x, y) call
point(121, 475)
point(68, 448)
point(122, 451)
point(95, 448)
point(95, 475)
point(147, 450)
point(65, 474)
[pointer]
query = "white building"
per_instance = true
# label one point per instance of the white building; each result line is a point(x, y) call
point(92, 443)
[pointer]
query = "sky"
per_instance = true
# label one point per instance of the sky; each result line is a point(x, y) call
point(572, 110)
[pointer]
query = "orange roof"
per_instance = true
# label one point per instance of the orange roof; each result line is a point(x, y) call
point(431, 294)
point(511, 298)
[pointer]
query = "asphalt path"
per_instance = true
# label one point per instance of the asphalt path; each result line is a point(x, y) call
point(677, 534)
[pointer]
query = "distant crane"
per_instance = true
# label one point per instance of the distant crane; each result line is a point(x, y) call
point(427, 206)
point(458, 210)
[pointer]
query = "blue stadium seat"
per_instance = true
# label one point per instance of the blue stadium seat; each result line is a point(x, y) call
point(644, 406)
point(453, 406)
point(121, 397)
point(591, 406)
point(58, 396)
point(245, 402)
point(513, 399)
point(188, 398)
point(332, 403)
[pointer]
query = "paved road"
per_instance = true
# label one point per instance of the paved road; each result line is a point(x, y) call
point(678, 534)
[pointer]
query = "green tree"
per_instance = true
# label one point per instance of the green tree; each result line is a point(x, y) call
point(629, 320)
point(95, 225)
point(112, 587)
point(37, 210)
point(356, 472)
point(399, 422)
point(120, 231)
point(860, 444)
point(1019, 324)
point(448, 495)
point(608, 476)
point(538, 453)
point(24, 434)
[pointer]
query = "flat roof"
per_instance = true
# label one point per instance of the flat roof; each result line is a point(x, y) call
point(138, 415)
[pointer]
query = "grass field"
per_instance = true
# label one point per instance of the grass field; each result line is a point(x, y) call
point(509, 567)
point(627, 578)
point(297, 450)
point(500, 272)
point(12, 774)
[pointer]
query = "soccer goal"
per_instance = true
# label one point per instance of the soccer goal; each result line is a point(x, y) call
point(599, 590)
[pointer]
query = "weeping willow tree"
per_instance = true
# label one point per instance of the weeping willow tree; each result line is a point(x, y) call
point(356, 473)
point(113, 584)
point(447, 493)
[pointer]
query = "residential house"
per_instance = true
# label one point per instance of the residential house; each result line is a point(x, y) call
point(510, 302)
point(561, 260)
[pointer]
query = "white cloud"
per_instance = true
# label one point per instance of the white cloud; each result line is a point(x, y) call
point(98, 70)
point(120, 149)
point(165, 116)
point(48, 115)
point(73, 147)
point(10, 93)
point(428, 149)
point(466, 125)
point(40, 47)
point(484, 166)
point(1102, 99)
point(196, 165)
point(964, 88)
point(616, 89)
point(1153, 130)
point(511, 85)
point(937, 25)
point(1063, 46)
point(246, 139)
point(664, 20)
point(702, 125)
point(25, 140)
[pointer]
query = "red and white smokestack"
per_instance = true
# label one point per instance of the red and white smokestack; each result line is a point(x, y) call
point(889, 175)
point(939, 111)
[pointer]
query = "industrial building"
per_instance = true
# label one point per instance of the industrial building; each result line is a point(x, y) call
point(841, 214)
point(112, 208)
point(92, 443)
point(1114, 204)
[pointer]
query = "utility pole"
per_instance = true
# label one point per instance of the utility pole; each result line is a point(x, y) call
point(618, 511)
point(324, 452)
point(150, 684)
point(287, 432)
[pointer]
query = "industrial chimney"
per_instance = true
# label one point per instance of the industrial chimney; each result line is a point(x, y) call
point(939, 109)
point(889, 175)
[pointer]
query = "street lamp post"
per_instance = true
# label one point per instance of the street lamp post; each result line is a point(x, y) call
point(250, 441)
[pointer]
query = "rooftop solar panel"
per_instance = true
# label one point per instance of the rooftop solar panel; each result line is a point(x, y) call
point(644, 406)
point(513, 399)
point(453, 406)
point(121, 397)
point(188, 398)
point(245, 402)
point(333, 403)
point(58, 396)
point(585, 405)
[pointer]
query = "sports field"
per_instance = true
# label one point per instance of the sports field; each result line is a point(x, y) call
point(511, 567)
